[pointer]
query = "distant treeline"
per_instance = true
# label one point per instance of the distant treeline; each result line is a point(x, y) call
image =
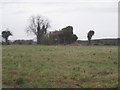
point(78, 42)
point(100, 42)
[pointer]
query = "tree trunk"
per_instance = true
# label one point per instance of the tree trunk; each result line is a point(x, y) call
point(6, 40)
point(38, 39)
point(38, 34)
point(89, 42)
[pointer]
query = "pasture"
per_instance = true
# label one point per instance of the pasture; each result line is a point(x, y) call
point(37, 66)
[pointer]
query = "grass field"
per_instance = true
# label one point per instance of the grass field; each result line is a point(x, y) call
point(33, 66)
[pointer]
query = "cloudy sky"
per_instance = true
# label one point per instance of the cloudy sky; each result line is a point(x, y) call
point(84, 15)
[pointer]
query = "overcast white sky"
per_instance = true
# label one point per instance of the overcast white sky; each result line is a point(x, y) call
point(84, 15)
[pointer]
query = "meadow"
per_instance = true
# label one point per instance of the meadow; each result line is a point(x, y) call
point(37, 66)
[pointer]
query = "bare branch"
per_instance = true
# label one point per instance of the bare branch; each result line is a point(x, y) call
point(38, 25)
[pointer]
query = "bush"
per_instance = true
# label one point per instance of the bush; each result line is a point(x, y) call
point(19, 81)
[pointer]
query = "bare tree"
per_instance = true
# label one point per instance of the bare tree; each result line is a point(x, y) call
point(38, 25)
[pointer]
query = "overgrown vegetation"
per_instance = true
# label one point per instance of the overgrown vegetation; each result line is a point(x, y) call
point(36, 66)
point(63, 36)
point(39, 25)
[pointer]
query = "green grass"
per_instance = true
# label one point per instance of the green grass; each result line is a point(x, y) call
point(35, 66)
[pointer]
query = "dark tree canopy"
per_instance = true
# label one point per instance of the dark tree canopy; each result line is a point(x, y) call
point(74, 38)
point(66, 34)
point(5, 35)
point(89, 35)
point(38, 25)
